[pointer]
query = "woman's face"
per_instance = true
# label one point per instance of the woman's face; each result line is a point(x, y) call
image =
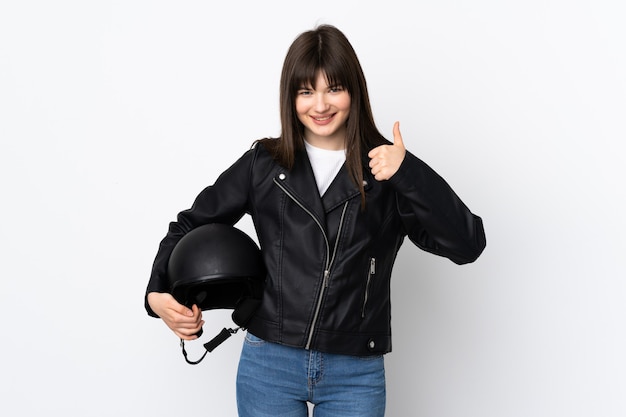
point(323, 111)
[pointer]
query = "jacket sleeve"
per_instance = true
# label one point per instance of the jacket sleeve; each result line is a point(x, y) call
point(435, 218)
point(226, 201)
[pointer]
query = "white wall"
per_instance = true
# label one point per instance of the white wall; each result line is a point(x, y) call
point(113, 115)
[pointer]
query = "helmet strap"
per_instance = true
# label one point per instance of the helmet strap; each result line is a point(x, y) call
point(241, 316)
point(211, 344)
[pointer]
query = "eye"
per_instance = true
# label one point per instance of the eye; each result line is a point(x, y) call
point(304, 91)
point(336, 89)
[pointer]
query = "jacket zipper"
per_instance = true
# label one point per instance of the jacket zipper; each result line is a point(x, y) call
point(370, 275)
point(329, 258)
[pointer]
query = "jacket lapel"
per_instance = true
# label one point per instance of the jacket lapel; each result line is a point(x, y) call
point(300, 182)
point(340, 190)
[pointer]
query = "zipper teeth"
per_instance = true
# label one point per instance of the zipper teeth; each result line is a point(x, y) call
point(325, 283)
point(343, 215)
point(329, 259)
point(371, 272)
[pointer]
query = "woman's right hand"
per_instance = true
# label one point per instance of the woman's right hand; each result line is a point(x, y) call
point(184, 322)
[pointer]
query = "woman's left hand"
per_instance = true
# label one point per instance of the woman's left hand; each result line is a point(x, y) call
point(386, 159)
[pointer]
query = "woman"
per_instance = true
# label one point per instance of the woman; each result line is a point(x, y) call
point(331, 200)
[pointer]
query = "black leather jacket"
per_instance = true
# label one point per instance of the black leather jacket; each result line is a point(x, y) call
point(329, 261)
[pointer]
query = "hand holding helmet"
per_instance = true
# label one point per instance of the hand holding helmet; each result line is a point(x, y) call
point(185, 322)
point(214, 266)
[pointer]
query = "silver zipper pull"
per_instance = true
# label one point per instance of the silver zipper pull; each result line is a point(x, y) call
point(373, 266)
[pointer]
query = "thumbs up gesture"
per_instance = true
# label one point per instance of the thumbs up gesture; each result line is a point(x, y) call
point(386, 159)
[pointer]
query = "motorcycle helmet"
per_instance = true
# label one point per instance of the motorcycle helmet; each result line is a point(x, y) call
point(217, 266)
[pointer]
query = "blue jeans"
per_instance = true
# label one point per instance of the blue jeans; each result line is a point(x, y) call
point(278, 381)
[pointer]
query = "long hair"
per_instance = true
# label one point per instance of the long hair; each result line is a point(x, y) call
point(325, 49)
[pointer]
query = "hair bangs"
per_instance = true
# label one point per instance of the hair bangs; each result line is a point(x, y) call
point(306, 70)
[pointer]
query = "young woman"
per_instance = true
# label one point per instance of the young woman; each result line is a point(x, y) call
point(332, 201)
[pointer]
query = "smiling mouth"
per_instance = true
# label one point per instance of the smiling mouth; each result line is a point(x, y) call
point(322, 119)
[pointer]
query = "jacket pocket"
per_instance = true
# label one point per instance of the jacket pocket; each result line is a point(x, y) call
point(371, 271)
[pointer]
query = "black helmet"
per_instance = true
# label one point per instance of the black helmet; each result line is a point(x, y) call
point(214, 266)
point(217, 266)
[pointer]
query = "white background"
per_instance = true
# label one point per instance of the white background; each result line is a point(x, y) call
point(114, 115)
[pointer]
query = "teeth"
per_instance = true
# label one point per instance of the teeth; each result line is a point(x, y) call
point(321, 119)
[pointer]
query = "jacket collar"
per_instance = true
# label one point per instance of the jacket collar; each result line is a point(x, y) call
point(300, 182)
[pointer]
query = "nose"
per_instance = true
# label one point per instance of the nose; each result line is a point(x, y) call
point(321, 105)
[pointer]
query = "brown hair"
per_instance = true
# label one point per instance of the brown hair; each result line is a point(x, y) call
point(325, 49)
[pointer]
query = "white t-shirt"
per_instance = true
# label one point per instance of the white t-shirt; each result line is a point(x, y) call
point(326, 164)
